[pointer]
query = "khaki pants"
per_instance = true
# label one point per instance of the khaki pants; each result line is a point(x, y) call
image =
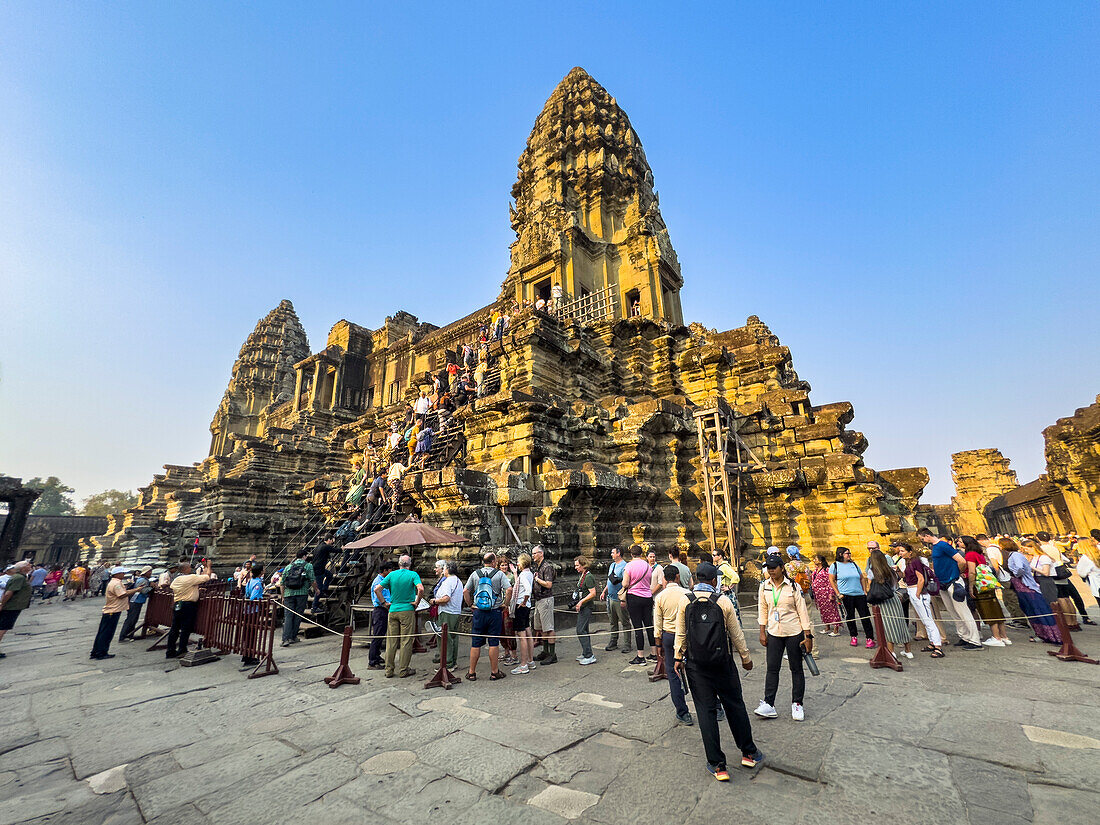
point(399, 634)
point(616, 613)
point(960, 614)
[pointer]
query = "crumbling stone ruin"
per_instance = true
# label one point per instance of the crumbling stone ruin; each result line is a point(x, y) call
point(602, 418)
point(1065, 499)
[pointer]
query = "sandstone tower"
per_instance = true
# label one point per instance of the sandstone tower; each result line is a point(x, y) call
point(980, 476)
point(263, 375)
point(586, 216)
point(588, 429)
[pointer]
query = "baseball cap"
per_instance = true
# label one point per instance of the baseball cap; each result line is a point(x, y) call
point(706, 570)
point(772, 562)
point(117, 570)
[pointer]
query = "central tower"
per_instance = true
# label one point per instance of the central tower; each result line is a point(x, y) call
point(586, 217)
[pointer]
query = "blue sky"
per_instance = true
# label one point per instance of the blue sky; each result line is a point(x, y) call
point(908, 194)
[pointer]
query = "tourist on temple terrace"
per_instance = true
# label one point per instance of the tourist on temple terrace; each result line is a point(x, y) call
point(785, 628)
point(917, 577)
point(407, 591)
point(1029, 592)
point(585, 597)
point(947, 564)
point(639, 603)
point(824, 596)
point(705, 641)
point(118, 599)
point(849, 585)
point(666, 609)
point(982, 585)
point(883, 593)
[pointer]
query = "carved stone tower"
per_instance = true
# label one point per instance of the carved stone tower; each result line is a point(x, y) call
point(263, 374)
point(586, 217)
point(980, 476)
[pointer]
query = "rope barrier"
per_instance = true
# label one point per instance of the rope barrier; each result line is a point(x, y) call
point(557, 636)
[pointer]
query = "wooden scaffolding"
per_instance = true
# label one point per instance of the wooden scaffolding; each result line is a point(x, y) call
point(723, 454)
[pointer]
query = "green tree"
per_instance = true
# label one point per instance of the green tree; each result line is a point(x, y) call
point(109, 503)
point(55, 499)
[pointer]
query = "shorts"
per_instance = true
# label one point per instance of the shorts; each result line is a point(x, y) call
point(7, 618)
point(487, 623)
point(543, 618)
point(521, 620)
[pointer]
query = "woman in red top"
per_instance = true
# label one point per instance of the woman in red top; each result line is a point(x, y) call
point(985, 601)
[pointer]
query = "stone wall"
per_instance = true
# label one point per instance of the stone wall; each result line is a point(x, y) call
point(980, 476)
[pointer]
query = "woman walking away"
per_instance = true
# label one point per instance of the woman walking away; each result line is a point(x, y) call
point(982, 585)
point(1029, 592)
point(639, 604)
point(884, 583)
point(784, 628)
point(521, 619)
point(916, 578)
point(824, 596)
point(585, 596)
point(848, 584)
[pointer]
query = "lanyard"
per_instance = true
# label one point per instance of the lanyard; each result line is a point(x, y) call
point(776, 594)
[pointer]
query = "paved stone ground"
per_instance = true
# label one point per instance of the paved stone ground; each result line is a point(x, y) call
point(1003, 736)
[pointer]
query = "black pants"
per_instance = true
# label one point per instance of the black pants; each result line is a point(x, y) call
point(709, 687)
point(792, 645)
point(1066, 590)
point(108, 622)
point(183, 624)
point(323, 577)
point(130, 625)
point(641, 615)
point(379, 619)
point(857, 606)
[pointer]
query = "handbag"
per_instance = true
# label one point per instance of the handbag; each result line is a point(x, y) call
point(1061, 572)
point(1048, 588)
point(878, 593)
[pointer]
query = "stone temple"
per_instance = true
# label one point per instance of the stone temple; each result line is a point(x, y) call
point(604, 421)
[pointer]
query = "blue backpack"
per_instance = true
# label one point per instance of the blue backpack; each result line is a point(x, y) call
point(483, 593)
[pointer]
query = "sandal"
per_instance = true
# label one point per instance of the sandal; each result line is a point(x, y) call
point(937, 654)
point(471, 677)
point(495, 676)
point(928, 648)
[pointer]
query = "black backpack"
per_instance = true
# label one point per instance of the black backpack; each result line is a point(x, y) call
point(708, 643)
point(295, 575)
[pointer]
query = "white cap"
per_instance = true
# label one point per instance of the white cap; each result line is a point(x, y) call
point(116, 570)
point(772, 549)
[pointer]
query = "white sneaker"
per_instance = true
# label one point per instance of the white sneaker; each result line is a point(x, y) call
point(532, 665)
point(992, 641)
point(765, 710)
point(796, 712)
point(907, 654)
point(1006, 641)
point(588, 660)
point(517, 671)
point(580, 657)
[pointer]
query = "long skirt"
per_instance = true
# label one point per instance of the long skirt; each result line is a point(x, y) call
point(825, 599)
point(1035, 606)
point(893, 621)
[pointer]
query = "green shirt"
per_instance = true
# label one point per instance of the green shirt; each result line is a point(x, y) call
point(20, 590)
point(307, 570)
point(402, 586)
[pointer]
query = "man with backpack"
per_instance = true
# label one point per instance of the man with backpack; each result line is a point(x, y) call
point(707, 631)
point(486, 591)
point(298, 579)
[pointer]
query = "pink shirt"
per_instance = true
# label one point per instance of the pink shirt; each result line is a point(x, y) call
point(637, 575)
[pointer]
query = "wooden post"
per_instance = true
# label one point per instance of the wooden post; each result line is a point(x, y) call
point(443, 678)
point(343, 674)
point(1069, 652)
point(883, 657)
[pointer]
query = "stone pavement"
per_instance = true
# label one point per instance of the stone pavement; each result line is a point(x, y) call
point(1002, 736)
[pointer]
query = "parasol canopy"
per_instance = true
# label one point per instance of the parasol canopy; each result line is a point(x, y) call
point(407, 534)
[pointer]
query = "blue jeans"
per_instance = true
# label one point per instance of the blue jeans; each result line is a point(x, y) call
point(292, 622)
point(668, 646)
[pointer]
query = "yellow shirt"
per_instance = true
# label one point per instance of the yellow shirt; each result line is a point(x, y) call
point(186, 588)
point(733, 627)
point(665, 607)
point(117, 600)
point(783, 611)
